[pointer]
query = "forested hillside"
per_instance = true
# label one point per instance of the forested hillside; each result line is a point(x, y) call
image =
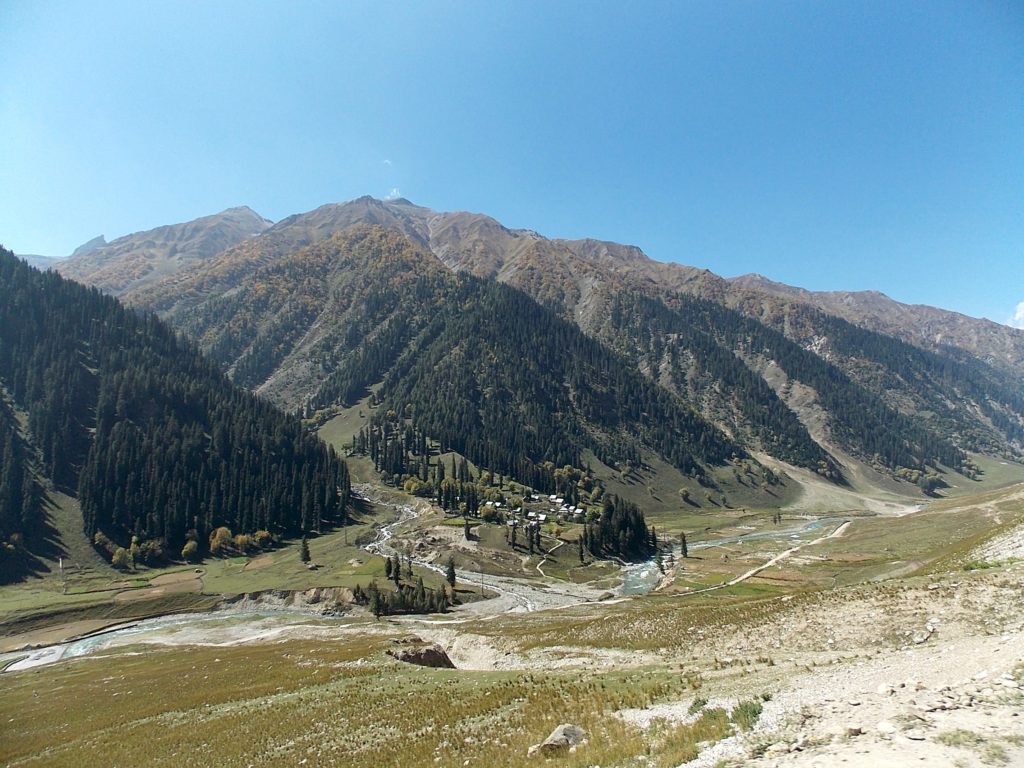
point(478, 366)
point(154, 440)
point(20, 495)
point(310, 316)
point(673, 334)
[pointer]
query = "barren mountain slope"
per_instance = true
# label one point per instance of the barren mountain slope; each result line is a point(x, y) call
point(143, 257)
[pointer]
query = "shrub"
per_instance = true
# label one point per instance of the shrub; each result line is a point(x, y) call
point(220, 541)
point(121, 559)
point(745, 714)
point(150, 552)
point(190, 552)
point(104, 544)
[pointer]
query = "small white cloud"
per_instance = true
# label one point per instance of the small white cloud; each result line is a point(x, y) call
point(1017, 321)
point(396, 193)
point(387, 162)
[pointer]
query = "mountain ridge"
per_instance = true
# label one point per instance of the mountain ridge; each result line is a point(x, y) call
point(922, 324)
point(142, 257)
point(768, 368)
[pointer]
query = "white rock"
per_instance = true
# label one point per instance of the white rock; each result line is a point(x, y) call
point(885, 728)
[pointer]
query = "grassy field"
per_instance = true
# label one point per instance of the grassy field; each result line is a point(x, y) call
point(327, 703)
point(340, 700)
point(93, 590)
point(88, 578)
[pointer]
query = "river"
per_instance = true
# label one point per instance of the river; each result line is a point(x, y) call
point(513, 595)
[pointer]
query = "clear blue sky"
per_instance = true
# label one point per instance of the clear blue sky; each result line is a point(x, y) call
point(831, 145)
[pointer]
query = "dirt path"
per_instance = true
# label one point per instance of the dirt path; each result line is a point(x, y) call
point(546, 554)
point(671, 575)
point(168, 583)
point(514, 595)
point(782, 556)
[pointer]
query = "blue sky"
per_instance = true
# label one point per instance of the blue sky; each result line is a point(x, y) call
point(831, 145)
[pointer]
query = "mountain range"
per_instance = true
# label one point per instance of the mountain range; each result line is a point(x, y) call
point(658, 359)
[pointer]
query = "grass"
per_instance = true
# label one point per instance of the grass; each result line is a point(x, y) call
point(996, 474)
point(325, 703)
point(655, 489)
point(88, 576)
point(92, 584)
point(339, 700)
point(990, 751)
point(746, 713)
point(139, 609)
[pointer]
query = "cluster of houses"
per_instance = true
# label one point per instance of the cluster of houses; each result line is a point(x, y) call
point(554, 508)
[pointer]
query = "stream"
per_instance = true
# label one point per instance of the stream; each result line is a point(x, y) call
point(513, 595)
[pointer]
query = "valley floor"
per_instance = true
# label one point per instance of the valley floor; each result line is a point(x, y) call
point(823, 658)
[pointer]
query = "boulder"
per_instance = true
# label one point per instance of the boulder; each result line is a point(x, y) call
point(563, 739)
point(424, 656)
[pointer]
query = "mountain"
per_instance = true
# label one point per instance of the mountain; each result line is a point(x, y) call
point(480, 367)
point(143, 257)
point(918, 324)
point(48, 262)
point(39, 262)
point(775, 373)
point(158, 446)
point(97, 242)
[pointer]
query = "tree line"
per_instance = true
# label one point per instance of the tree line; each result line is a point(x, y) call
point(153, 438)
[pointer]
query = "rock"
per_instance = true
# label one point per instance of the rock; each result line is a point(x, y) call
point(854, 730)
point(885, 728)
point(922, 636)
point(562, 739)
point(915, 734)
point(885, 690)
point(408, 640)
point(425, 656)
point(780, 748)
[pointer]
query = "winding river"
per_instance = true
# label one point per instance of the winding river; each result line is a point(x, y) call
point(512, 595)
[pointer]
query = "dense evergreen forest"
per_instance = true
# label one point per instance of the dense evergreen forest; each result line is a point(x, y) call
point(859, 420)
point(20, 496)
point(158, 445)
point(620, 531)
point(974, 385)
point(652, 334)
point(478, 366)
point(514, 384)
point(509, 384)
